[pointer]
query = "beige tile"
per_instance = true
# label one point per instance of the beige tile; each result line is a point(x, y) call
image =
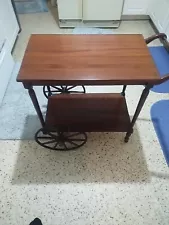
point(105, 182)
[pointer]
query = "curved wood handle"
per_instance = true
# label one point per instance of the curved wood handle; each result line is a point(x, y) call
point(156, 36)
point(163, 79)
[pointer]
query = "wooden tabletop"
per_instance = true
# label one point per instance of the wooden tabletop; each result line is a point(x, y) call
point(87, 59)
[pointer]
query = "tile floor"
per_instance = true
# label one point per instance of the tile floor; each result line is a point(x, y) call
point(105, 182)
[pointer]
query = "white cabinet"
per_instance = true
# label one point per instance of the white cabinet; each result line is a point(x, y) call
point(102, 9)
point(8, 32)
point(70, 9)
point(135, 7)
point(90, 9)
point(159, 13)
point(9, 21)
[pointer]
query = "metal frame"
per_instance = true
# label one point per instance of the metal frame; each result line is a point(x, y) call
point(62, 141)
point(55, 138)
point(63, 89)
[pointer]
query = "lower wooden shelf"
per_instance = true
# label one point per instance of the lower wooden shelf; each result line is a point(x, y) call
point(87, 112)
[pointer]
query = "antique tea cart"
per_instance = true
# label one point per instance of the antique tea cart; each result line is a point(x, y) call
point(64, 64)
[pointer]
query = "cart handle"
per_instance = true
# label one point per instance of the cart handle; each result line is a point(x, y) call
point(164, 38)
point(163, 79)
point(156, 36)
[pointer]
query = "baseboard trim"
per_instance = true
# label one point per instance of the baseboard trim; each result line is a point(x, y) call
point(79, 23)
point(134, 17)
point(104, 24)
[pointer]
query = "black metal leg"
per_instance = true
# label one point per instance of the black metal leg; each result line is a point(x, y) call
point(123, 91)
point(142, 100)
point(36, 105)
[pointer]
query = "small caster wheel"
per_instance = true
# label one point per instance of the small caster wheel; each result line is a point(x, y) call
point(52, 90)
point(126, 139)
point(60, 141)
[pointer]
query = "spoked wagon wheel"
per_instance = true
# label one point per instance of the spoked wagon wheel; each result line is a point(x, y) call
point(62, 141)
point(52, 90)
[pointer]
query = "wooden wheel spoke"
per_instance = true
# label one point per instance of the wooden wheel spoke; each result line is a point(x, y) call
point(54, 135)
point(72, 135)
point(56, 145)
point(49, 142)
point(57, 88)
point(44, 137)
point(64, 88)
point(69, 88)
point(72, 142)
point(76, 92)
point(56, 91)
point(49, 93)
point(64, 145)
point(76, 139)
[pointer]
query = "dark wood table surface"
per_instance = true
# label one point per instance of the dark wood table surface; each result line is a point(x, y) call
point(87, 60)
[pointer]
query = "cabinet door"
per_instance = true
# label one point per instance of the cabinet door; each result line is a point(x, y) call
point(9, 21)
point(70, 9)
point(135, 7)
point(102, 9)
point(159, 13)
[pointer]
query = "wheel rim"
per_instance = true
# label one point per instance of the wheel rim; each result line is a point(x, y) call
point(60, 141)
point(52, 90)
